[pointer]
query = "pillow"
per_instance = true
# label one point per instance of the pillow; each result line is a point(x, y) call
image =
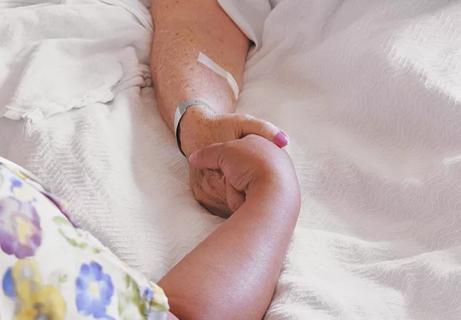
point(50, 269)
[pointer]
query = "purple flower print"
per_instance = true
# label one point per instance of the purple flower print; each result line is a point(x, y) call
point(20, 232)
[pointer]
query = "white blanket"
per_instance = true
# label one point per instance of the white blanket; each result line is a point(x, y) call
point(370, 94)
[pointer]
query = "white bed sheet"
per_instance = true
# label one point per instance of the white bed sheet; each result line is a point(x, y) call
point(370, 94)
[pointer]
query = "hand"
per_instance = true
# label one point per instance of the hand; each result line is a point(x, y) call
point(249, 165)
point(201, 127)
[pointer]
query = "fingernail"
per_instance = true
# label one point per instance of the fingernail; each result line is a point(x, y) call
point(281, 139)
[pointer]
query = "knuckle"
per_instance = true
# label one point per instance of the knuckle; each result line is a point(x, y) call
point(245, 117)
point(262, 125)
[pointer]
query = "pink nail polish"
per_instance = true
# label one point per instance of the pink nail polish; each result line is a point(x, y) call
point(281, 139)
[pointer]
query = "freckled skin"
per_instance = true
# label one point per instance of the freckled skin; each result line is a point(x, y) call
point(232, 273)
point(179, 36)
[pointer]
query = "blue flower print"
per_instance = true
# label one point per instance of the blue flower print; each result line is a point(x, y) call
point(8, 284)
point(15, 183)
point(19, 189)
point(148, 295)
point(94, 290)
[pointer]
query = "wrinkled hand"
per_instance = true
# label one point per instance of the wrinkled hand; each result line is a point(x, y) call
point(201, 127)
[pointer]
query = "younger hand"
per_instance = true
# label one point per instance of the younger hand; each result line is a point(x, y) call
point(249, 164)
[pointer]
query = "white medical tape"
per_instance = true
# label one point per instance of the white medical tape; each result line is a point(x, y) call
point(213, 66)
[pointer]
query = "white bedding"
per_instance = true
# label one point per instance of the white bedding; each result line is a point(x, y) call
point(370, 94)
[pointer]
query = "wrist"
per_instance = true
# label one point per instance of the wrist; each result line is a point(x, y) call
point(278, 186)
point(191, 126)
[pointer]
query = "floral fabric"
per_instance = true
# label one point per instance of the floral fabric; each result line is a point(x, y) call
point(51, 270)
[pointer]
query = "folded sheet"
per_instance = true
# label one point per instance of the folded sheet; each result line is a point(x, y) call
point(54, 79)
point(57, 57)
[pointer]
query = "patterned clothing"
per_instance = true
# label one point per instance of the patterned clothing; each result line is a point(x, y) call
point(50, 269)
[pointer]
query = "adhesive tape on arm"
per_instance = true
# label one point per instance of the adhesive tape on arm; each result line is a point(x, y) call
point(213, 66)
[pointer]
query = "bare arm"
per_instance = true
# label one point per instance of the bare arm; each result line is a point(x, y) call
point(233, 273)
point(183, 28)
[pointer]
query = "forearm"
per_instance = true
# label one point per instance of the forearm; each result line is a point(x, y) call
point(184, 28)
point(233, 273)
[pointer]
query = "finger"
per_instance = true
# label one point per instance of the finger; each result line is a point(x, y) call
point(209, 157)
point(234, 198)
point(251, 125)
point(210, 191)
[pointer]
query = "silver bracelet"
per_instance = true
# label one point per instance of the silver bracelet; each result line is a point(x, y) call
point(179, 113)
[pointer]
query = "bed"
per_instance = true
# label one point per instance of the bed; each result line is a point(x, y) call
point(369, 92)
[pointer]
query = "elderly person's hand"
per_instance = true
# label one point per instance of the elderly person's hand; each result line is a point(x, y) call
point(201, 127)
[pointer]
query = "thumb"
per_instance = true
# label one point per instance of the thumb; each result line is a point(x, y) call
point(209, 157)
point(251, 125)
